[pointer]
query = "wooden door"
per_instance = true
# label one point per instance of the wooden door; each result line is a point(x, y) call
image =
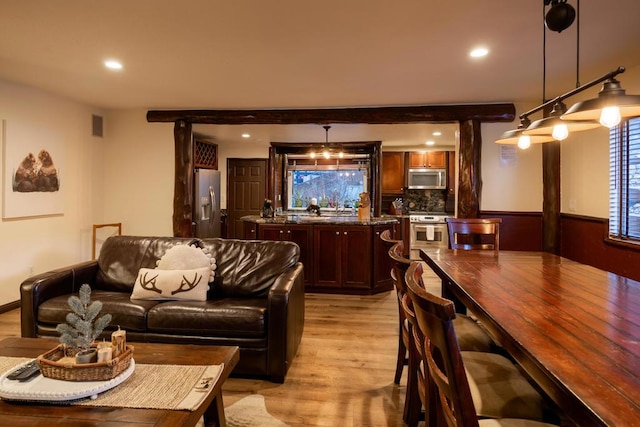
point(247, 189)
point(436, 159)
point(356, 257)
point(250, 231)
point(417, 160)
point(431, 159)
point(327, 255)
point(271, 232)
point(392, 172)
point(303, 236)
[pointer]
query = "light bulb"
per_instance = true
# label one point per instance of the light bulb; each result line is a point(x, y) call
point(610, 116)
point(312, 154)
point(524, 142)
point(325, 153)
point(341, 154)
point(560, 132)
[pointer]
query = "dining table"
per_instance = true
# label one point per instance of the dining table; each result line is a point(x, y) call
point(573, 328)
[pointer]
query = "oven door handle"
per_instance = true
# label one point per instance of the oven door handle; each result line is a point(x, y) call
point(424, 226)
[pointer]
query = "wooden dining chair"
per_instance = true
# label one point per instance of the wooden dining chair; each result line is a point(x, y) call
point(402, 358)
point(472, 337)
point(474, 233)
point(500, 392)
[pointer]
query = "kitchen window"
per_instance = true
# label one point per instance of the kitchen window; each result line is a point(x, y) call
point(624, 181)
point(334, 186)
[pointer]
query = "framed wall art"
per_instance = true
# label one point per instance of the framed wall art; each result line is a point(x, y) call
point(32, 181)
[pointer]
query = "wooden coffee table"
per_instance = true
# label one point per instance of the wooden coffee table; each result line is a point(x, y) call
point(212, 408)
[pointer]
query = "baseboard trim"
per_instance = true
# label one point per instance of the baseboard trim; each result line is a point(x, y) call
point(10, 306)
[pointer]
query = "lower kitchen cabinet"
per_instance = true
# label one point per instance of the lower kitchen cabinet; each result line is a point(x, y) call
point(342, 256)
point(338, 258)
point(300, 234)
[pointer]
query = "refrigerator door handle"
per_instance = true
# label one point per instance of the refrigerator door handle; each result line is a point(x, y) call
point(212, 197)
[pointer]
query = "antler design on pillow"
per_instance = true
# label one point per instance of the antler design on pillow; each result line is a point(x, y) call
point(186, 285)
point(150, 284)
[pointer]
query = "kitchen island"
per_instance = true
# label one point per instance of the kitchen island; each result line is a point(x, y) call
point(340, 253)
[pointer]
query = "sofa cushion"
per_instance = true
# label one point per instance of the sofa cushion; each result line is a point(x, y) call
point(229, 317)
point(158, 284)
point(128, 314)
point(249, 267)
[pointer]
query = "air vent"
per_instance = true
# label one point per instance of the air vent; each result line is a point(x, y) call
point(96, 125)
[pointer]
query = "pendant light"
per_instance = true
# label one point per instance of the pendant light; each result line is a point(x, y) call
point(559, 129)
point(517, 136)
point(325, 150)
point(611, 105)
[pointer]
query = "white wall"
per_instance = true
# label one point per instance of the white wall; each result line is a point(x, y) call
point(139, 174)
point(513, 185)
point(38, 244)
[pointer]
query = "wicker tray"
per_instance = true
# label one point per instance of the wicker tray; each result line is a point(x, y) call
point(51, 366)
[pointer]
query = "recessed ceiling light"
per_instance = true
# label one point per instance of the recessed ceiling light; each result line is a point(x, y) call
point(437, 133)
point(113, 65)
point(246, 135)
point(479, 52)
point(430, 143)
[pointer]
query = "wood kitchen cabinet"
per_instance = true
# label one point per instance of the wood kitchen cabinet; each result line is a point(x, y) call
point(249, 230)
point(342, 256)
point(393, 180)
point(431, 159)
point(302, 235)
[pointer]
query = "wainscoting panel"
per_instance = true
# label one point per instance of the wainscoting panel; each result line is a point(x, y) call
point(583, 240)
point(519, 231)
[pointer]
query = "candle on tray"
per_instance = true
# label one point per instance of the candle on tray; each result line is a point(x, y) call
point(104, 351)
point(118, 342)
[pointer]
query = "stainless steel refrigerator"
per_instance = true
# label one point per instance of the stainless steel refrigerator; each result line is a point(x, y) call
point(206, 218)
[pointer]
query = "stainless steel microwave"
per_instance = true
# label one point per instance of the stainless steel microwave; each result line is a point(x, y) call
point(427, 179)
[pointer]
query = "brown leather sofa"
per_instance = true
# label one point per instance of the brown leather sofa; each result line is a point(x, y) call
point(255, 303)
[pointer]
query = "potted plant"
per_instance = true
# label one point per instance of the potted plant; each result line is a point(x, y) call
point(297, 199)
point(83, 325)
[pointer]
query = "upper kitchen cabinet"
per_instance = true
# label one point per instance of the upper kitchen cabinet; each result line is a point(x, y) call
point(393, 172)
point(431, 159)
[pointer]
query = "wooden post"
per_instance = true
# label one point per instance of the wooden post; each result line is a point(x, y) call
point(551, 197)
point(183, 185)
point(469, 175)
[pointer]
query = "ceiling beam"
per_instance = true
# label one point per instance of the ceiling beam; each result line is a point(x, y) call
point(367, 115)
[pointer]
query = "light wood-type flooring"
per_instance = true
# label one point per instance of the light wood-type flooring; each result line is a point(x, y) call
point(343, 373)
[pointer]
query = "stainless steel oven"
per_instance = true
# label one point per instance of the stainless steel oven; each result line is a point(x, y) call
point(427, 231)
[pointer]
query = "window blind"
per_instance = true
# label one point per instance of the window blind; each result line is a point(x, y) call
point(624, 180)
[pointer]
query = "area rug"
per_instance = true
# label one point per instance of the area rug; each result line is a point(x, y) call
point(251, 411)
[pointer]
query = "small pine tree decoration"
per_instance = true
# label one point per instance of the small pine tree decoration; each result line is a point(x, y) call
point(82, 327)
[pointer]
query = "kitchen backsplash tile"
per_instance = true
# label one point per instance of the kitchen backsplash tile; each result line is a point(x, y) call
point(424, 200)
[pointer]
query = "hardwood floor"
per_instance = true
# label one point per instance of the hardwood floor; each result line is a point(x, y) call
point(343, 373)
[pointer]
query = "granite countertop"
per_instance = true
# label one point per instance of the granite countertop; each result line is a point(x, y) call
point(312, 219)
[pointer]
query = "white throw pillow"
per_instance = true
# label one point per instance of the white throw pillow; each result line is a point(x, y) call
point(155, 284)
point(186, 257)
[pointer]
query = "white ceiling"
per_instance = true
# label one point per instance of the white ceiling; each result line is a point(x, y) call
point(257, 54)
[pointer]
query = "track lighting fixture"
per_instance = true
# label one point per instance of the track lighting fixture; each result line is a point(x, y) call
point(611, 105)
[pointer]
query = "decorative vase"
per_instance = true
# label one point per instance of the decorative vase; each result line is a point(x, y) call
point(87, 356)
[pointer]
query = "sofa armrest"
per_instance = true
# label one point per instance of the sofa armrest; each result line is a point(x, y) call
point(41, 287)
point(286, 321)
